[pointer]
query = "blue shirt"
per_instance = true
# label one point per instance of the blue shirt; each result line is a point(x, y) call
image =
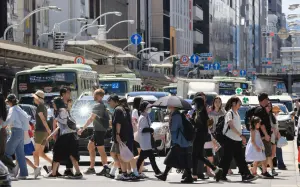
point(177, 130)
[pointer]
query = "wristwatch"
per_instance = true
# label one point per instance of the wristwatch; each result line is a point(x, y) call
point(118, 133)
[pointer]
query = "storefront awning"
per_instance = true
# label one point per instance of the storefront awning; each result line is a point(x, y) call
point(100, 47)
point(127, 56)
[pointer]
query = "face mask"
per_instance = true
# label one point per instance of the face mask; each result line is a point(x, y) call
point(149, 111)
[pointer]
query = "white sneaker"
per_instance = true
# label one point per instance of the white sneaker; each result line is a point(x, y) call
point(15, 171)
point(37, 172)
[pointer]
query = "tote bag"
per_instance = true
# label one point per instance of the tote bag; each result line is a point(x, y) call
point(125, 153)
point(282, 142)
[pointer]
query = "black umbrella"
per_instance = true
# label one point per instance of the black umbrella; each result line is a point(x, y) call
point(173, 101)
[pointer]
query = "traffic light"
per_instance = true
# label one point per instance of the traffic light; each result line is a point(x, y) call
point(268, 34)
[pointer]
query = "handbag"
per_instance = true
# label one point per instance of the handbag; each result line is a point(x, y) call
point(153, 144)
point(282, 142)
point(125, 153)
point(71, 123)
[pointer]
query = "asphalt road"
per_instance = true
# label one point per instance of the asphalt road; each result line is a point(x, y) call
point(288, 178)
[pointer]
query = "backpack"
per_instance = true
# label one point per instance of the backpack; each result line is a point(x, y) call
point(218, 134)
point(249, 114)
point(188, 128)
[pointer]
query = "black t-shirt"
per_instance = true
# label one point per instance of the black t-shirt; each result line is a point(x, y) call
point(120, 116)
point(265, 120)
point(200, 122)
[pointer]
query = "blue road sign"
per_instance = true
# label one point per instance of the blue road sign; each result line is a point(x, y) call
point(216, 66)
point(243, 73)
point(206, 66)
point(194, 59)
point(136, 39)
point(205, 54)
point(280, 85)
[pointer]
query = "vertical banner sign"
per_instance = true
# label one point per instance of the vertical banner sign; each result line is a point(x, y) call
point(191, 14)
point(172, 41)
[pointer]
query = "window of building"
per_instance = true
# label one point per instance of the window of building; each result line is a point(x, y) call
point(46, 18)
point(38, 15)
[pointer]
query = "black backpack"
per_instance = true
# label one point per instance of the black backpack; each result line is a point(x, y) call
point(249, 114)
point(218, 134)
point(188, 128)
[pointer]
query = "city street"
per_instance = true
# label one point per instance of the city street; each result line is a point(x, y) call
point(288, 178)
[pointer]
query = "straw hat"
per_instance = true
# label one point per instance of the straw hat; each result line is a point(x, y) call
point(276, 109)
point(40, 95)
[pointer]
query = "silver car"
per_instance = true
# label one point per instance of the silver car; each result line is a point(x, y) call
point(160, 125)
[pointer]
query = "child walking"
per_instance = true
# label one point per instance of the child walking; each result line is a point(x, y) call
point(255, 147)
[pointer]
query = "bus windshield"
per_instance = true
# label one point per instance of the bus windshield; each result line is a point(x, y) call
point(114, 87)
point(48, 82)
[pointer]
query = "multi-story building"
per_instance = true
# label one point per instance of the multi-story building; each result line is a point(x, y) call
point(219, 28)
point(91, 9)
point(250, 35)
point(166, 25)
point(29, 31)
point(275, 8)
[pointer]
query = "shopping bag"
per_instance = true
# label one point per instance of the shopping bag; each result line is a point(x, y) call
point(282, 142)
point(125, 153)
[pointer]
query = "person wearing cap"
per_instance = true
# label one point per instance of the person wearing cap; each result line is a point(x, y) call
point(120, 126)
point(42, 130)
point(145, 137)
point(18, 120)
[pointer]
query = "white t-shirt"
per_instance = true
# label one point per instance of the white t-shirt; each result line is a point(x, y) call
point(237, 124)
point(135, 117)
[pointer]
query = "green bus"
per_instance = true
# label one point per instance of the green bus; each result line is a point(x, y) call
point(52, 78)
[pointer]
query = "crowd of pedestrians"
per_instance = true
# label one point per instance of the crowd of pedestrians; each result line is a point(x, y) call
point(132, 129)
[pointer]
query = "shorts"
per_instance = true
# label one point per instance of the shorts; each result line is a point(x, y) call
point(98, 138)
point(40, 137)
point(268, 148)
point(209, 153)
point(115, 148)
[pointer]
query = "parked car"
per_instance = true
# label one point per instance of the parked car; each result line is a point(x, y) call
point(160, 124)
point(286, 125)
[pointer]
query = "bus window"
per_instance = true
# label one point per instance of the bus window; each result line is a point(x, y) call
point(48, 82)
point(84, 84)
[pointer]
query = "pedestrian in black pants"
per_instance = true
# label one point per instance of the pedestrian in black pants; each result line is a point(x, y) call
point(200, 120)
point(233, 143)
point(145, 137)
